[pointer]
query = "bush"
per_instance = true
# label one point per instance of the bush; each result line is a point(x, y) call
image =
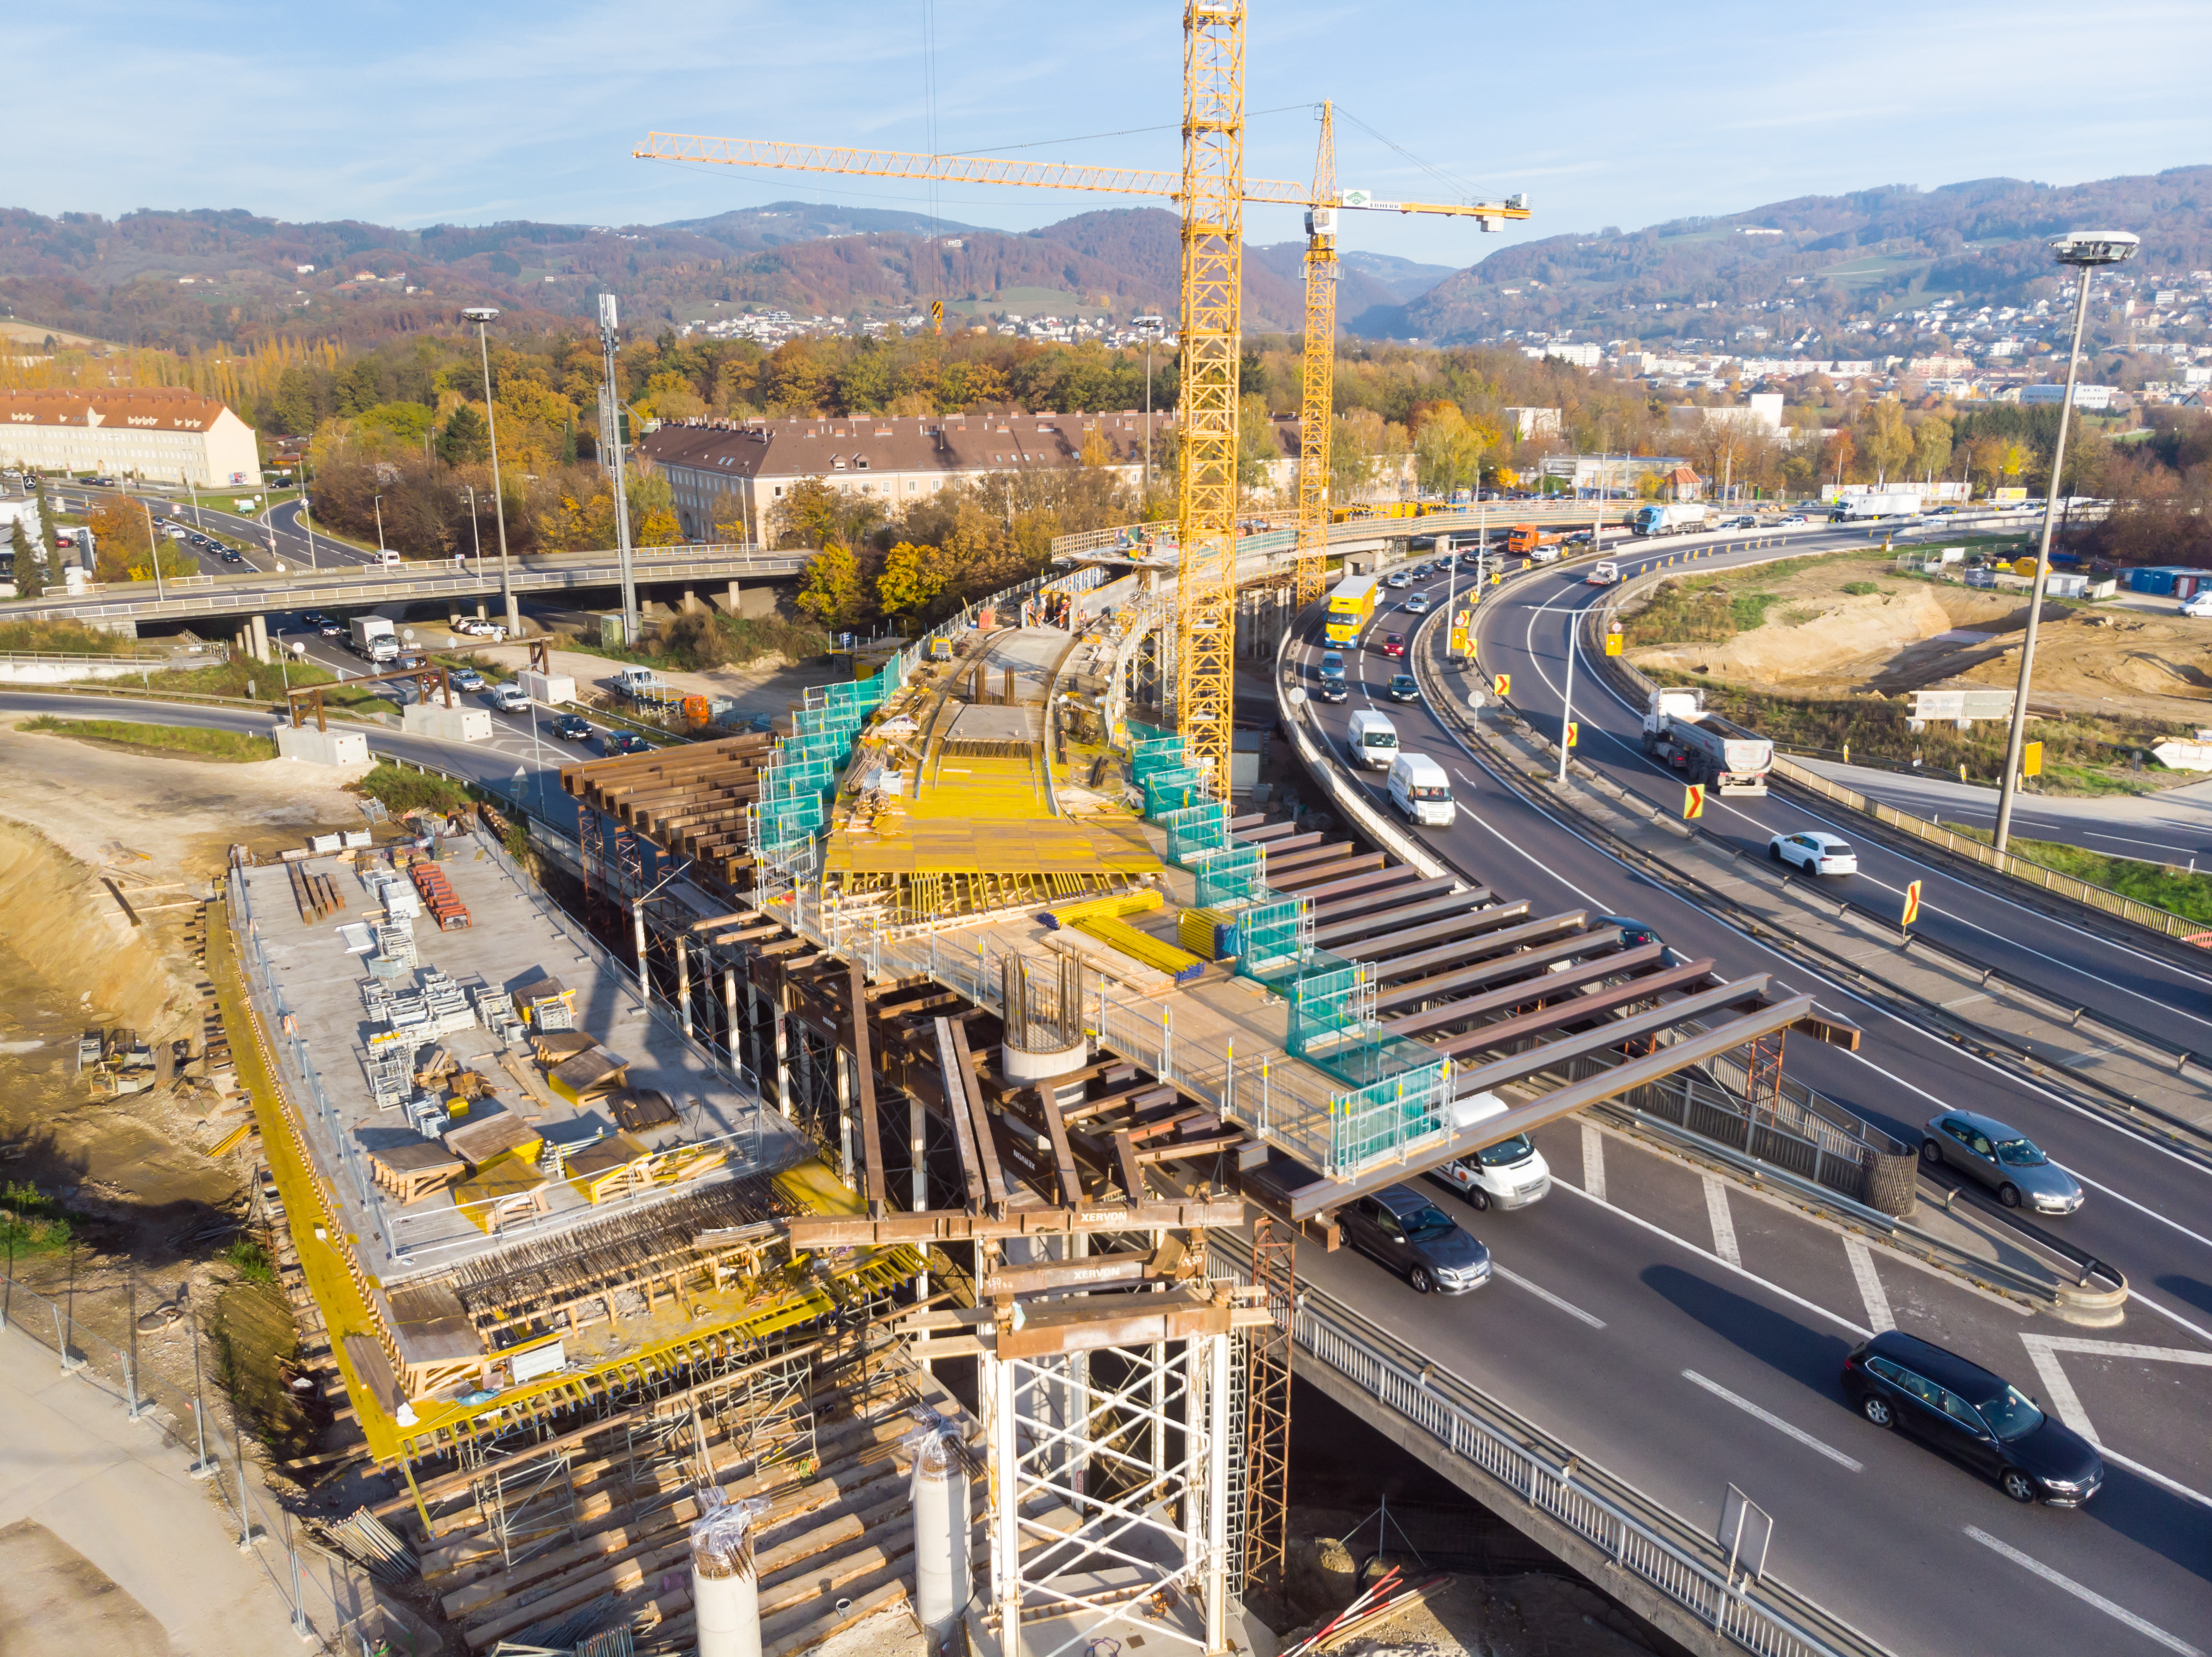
point(61, 638)
point(250, 1260)
point(403, 791)
point(190, 741)
point(1859, 589)
point(31, 1222)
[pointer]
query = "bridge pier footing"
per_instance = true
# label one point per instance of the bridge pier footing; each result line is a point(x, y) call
point(258, 640)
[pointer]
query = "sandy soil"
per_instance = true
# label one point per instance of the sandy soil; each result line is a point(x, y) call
point(1915, 634)
point(769, 686)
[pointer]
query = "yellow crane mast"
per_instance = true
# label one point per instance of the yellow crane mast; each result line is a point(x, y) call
point(1317, 385)
point(1211, 336)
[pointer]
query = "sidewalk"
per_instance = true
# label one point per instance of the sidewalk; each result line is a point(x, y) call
point(106, 1543)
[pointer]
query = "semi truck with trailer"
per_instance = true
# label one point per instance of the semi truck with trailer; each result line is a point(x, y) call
point(1702, 747)
point(1681, 518)
point(1878, 503)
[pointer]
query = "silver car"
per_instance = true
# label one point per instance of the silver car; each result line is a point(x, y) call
point(2001, 1158)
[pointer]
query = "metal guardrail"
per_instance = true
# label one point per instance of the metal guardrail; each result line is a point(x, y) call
point(71, 1328)
point(2197, 934)
point(1649, 1542)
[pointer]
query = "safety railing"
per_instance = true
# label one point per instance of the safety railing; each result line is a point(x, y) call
point(93, 1335)
point(1647, 1542)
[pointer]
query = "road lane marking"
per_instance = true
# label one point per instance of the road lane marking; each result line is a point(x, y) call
point(2087, 1596)
point(1878, 1316)
point(2042, 1351)
point(1545, 1295)
point(2065, 1400)
point(1774, 1421)
point(1716, 1210)
point(1688, 1246)
point(1593, 1162)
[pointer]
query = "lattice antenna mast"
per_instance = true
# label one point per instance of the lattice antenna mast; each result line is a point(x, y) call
point(1211, 340)
point(1317, 401)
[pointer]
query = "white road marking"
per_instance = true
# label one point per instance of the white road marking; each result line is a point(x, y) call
point(1774, 1421)
point(1545, 1295)
point(2042, 1351)
point(1717, 1209)
point(1593, 1162)
point(1870, 1289)
point(2087, 1596)
point(2065, 1402)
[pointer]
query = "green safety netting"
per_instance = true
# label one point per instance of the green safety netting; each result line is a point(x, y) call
point(1373, 1122)
point(1277, 930)
point(1195, 829)
point(1172, 790)
point(1155, 754)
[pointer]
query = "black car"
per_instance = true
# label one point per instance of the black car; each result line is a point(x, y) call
point(1335, 690)
point(1973, 1417)
point(1634, 934)
point(1417, 1239)
point(572, 728)
point(1404, 688)
point(620, 742)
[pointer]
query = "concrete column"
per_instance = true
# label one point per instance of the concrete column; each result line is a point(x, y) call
point(943, 1570)
point(841, 1062)
point(733, 598)
point(725, 1585)
point(644, 980)
point(778, 1023)
point(730, 1017)
point(480, 610)
point(257, 646)
point(684, 981)
point(513, 616)
point(691, 601)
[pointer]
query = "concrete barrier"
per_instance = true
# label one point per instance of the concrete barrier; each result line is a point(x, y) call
point(331, 747)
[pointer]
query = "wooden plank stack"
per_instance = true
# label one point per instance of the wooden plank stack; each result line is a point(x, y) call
point(315, 893)
point(690, 800)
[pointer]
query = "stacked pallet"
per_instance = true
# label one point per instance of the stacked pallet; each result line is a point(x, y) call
point(316, 894)
point(437, 896)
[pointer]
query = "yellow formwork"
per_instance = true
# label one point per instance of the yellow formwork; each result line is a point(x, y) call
point(741, 1314)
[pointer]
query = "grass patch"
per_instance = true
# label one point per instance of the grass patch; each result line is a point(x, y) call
point(700, 640)
point(250, 1260)
point(1860, 590)
point(2160, 885)
point(63, 638)
point(235, 747)
point(1707, 611)
point(403, 791)
point(253, 681)
point(2081, 755)
point(31, 1222)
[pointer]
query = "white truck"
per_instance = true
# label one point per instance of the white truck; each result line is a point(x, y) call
point(1882, 503)
point(373, 640)
point(1682, 518)
point(1372, 739)
point(1419, 788)
point(1681, 735)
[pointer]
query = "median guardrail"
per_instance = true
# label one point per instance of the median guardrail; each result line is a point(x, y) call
point(1520, 1465)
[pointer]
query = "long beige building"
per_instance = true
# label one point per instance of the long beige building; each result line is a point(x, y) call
point(729, 472)
point(161, 435)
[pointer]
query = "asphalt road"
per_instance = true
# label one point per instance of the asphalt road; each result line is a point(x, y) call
point(2145, 1214)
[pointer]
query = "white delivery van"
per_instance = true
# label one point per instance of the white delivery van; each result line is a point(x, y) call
point(1510, 1174)
point(1419, 788)
point(1373, 740)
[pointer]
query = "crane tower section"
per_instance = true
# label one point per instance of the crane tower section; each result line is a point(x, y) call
point(1317, 402)
point(1213, 288)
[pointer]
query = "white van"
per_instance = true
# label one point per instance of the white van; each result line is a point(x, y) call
point(1373, 740)
point(1419, 788)
point(1510, 1174)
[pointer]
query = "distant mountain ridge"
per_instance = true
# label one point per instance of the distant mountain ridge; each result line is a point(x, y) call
point(207, 276)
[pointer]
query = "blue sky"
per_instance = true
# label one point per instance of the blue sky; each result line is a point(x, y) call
point(1618, 113)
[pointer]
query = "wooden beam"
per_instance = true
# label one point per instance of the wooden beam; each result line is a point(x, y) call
point(871, 1131)
point(987, 1147)
point(950, 1065)
point(812, 1231)
point(1063, 1156)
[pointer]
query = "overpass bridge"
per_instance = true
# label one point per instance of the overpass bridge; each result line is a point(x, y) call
point(119, 607)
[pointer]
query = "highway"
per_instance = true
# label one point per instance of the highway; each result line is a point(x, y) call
point(1622, 1395)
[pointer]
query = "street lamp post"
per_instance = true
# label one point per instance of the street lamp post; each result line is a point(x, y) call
point(153, 551)
point(481, 314)
point(1150, 327)
point(476, 535)
point(610, 336)
point(379, 503)
point(307, 514)
point(2084, 250)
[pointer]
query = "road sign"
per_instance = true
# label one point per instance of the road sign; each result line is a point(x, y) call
point(1613, 644)
point(1912, 905)
point(1501, 685)
point(2031, 760)
point(1693, 800)
point(1574, 732)
point(1962, 704)
point(1747, 1529)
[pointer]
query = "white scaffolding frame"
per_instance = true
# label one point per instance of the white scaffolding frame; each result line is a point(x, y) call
point(1155, 1433)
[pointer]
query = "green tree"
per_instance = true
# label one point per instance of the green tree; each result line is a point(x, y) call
point(1257, 447)
point(912, 578)
point(831, 591)
point(811, 514)
point(465, 441)
point(1931, 447)
point(1889, 442)
point(30, 580)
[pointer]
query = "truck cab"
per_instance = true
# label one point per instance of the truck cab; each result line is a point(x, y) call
point(1679, 734)
point(1604, 573)
point(1510, 1174)
point(1373, 740)
point(1419, 788)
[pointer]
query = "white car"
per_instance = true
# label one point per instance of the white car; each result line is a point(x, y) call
point(2199, 606)
point(1510, 1174)
point(1814, 853)
point(509, 699)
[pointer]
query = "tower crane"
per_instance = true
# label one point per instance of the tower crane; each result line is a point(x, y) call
point(1211, 190)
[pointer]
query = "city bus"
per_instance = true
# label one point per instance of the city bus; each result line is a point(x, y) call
point(1351, 606)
